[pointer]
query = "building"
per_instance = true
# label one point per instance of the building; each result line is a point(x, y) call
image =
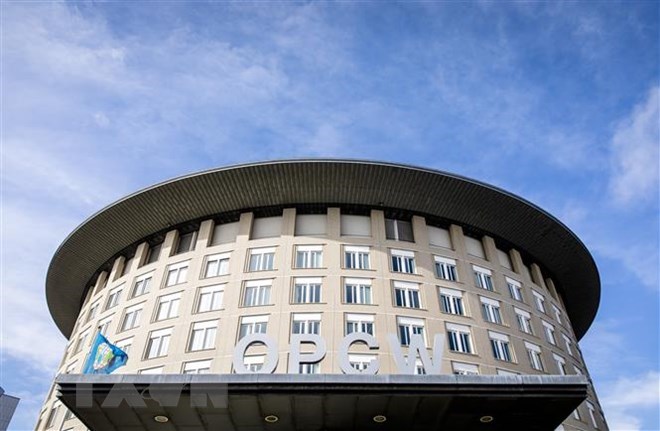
point(325, 295)
point(7, 407)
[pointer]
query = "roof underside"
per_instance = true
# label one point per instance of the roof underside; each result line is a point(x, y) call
point(340, 182)
point(320, 402)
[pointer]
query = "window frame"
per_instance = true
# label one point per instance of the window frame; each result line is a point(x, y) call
point(459, 336)
point(358, 256)
point(403, 261)
point(483, 278)
point(360, 288)
point(180, 271)
point(454, 297)
point(307, 290)
point(209, 332)
point(263, 258)
point(308, 256)
point(221, 263)
point(262, 297)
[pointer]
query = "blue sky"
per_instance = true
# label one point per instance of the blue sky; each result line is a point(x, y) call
point(554, 101)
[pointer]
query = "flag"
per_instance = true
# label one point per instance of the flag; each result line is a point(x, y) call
point(104, 357)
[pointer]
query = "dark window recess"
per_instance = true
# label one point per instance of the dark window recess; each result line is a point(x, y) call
point(398, 230)
point(153, 254)
point(186, 242)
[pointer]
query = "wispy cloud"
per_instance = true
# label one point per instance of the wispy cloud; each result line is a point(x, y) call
point(636, 154)
point(626, 399)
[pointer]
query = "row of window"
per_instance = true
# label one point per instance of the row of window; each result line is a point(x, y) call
point(308, 290)
point(406, 295)
point(203, 334)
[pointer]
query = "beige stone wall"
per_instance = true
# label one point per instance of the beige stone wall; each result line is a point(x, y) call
point(332, 307)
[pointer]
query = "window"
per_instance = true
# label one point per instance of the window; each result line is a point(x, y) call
point(406, 294)
point(217, 264)
point(254, 363)
point(154, 370)
point(576, 414)
point(398, 230)
point(501, 347)
point(515, 289)
point(462, 369)
point(504, 259)
point(356, 257)
point(483, 278)
point(451, 301)
point(128, 262)
point(224, 233)
point(592, 416)
point(310, 224)
point(266, 227)
point(125, 344)
point(361, 362)
point(262, 259)
point(168, 306)
point(557, 312)
point(445, 268)
point(309, 256)
point(113, 297)
point(506, 373)
point(491, 310)
point(131, 317)
point(81, 341)
point(561, 364)
point(459, 338)
point(409, 327)
point(534, 354)
point(257, 292)
point(210, 298)
point(93, 310)
point(176, 274)
point(309, 368)
point(306, 323)
point(357, 291)
point(568, 343)
point(52, 416)
point(71, 368)
point(360, 323)
point(202, 336)
point(253, 325)
point(355, 225)
point(549, 331)
point(197, 367)
point(186, 242)
point(153, 253)
point(158, 343)
point(307, 290)
point(439, 237)
point(104, 325)
point(142, 285)
point(403, 261)
point(474, 247)
point(524, 320)
point(67, 416)
point(419, 368)
point(539, 300)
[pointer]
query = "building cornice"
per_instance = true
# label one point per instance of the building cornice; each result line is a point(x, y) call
point(323, 181)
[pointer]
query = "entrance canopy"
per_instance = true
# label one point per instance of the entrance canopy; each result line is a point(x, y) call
point(283, 402)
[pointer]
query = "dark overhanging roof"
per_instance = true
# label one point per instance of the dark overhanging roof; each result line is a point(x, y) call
point(329, 402)
point(343, 182)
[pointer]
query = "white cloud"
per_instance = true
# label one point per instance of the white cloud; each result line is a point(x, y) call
point(628, 400)
point(635, 154)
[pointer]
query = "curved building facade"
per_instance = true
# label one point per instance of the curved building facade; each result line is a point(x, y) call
point(327, 294)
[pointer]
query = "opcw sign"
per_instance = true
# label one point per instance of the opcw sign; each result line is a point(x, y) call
point(405, 363)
